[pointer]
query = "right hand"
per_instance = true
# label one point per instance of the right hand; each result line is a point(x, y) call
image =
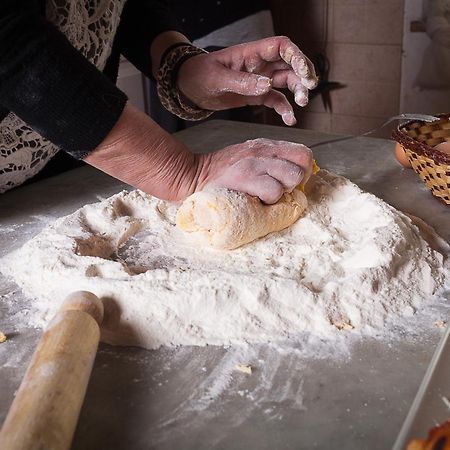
point(261, 167)
point(142, 154)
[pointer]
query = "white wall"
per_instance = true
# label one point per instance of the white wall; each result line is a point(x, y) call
point(131, 81)
point(364, 44)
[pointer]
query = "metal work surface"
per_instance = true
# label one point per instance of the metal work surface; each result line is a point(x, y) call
point(190, 398)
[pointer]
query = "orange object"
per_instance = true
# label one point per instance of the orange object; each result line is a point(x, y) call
point(438, 439)
point(400, 154)
point(315, 170)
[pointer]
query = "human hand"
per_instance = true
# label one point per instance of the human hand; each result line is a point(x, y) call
point(142, 154)
point(245, 74)
point(261, 167)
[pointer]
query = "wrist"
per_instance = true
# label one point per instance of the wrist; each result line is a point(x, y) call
point(161, 44)
point(140, 153)
point(169, 92)
point(174, 174)
point(184, 74)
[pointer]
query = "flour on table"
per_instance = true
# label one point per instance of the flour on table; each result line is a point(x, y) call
point(351, 264)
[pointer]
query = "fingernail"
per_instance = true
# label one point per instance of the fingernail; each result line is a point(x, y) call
point(263, 84)
point(301, 99)
point(289, 118)
point(311, 82)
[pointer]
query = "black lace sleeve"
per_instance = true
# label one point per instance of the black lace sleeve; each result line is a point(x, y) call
point(47, 83)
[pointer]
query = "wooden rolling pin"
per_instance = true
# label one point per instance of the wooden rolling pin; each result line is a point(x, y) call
point(45, 410)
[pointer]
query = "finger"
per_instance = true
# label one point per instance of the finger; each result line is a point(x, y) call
point(298, 154)
point(242, 83)
point(269, 68)
point(279, 102)
point(287, 78)
point(301, 64)
point(288, 174)
point(249, 175)
point(271, 49)
point(250, 56)
point(268, 189)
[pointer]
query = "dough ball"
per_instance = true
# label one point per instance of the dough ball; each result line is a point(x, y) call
point(226, 219)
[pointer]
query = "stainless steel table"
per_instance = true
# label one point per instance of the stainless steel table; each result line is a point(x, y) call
point(190, 398)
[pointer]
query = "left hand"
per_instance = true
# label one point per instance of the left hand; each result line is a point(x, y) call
point(245, 74)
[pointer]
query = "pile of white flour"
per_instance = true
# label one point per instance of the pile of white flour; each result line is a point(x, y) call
point(351, 264)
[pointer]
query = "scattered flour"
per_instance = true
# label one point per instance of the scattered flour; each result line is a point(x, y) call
point(351, 265)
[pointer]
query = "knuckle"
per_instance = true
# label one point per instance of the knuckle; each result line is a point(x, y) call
point(303, 153)
point(302, 149)
point(284, 39)
point(244, 78)
point(243, 165)
point(309, 153)
point(255, 146)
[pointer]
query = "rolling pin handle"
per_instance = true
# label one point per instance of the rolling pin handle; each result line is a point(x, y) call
point(84, 301)
point(45, 410)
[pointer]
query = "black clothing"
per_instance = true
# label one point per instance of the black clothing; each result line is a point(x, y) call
point(51, 86)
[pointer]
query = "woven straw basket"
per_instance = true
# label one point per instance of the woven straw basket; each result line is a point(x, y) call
point(433, 167)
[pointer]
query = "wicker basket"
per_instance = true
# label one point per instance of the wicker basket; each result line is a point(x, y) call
point(433, 167)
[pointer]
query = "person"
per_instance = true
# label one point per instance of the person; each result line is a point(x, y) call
point(213, 25)
point(434, 72)
point(58, 61)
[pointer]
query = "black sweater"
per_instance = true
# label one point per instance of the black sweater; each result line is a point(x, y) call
point(53, 88)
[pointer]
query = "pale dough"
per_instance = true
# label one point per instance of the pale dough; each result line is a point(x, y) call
point(226, 219)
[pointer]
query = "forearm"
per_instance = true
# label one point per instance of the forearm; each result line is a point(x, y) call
point(139, 152)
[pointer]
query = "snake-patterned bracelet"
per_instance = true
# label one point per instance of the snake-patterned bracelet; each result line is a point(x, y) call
point(169, 95)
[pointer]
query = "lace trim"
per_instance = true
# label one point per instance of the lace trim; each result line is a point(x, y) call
point(90, 26)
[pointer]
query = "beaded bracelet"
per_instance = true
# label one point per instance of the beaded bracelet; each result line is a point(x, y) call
point(169, 94)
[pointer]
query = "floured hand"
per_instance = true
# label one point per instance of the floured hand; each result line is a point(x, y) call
point(245, 74)
point(140, 153)
point(261, 168)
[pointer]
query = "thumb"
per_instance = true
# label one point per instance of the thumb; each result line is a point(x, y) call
point(243, 83)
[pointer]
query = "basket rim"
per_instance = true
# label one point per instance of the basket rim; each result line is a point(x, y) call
point(418, 147)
